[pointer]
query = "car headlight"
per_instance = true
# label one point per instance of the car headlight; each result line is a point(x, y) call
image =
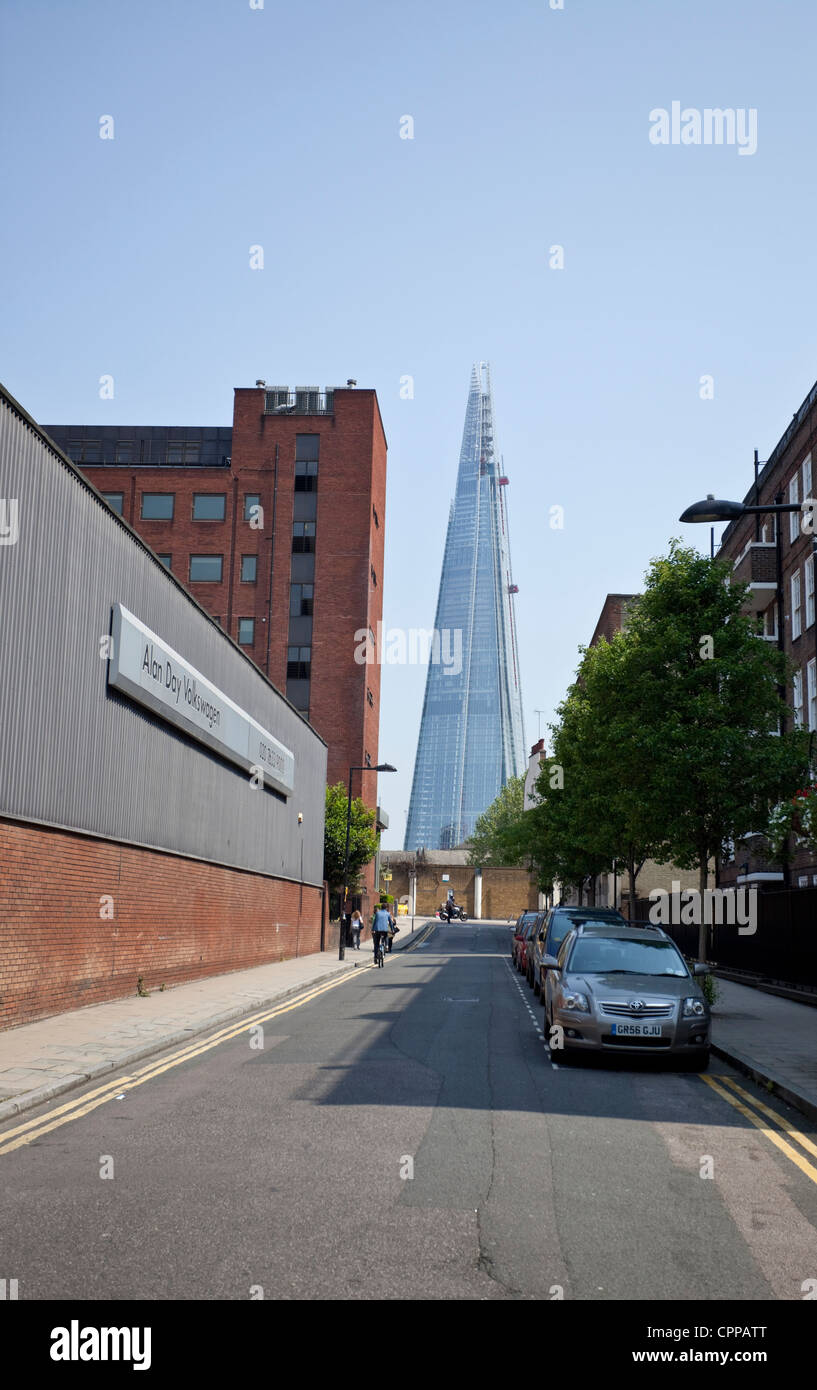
point(577, 1002)
point(694, 1008)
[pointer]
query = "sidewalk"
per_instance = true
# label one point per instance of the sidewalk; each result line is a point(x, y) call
point(769, 1038)
point(41, 1060)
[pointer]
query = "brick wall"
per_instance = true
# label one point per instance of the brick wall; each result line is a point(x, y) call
point(505, 892)
point(174, 919)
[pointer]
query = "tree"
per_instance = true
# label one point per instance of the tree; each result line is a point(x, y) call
point(362, 838)
point(492, 840)
point(709, 712)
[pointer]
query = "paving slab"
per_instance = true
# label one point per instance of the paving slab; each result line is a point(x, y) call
point(770, 1038)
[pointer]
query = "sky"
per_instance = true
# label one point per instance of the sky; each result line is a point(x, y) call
point(238, 123)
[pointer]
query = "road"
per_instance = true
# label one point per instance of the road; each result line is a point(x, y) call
point(405, 1133)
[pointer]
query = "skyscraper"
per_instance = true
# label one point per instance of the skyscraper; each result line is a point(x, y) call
point(471, 736)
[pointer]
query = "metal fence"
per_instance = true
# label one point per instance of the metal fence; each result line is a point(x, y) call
point(783, 946)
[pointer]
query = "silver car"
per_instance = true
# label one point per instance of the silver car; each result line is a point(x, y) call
point(625, 990)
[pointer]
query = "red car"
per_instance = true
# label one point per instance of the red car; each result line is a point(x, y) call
point(522, 930)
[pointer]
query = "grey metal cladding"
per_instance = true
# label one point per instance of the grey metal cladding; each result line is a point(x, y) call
point(76, 754)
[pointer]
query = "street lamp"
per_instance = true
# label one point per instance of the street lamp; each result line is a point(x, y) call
point(364, 767)
point(715, 509)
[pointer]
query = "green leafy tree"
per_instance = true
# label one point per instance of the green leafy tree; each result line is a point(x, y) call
point(493, 839)
point(362, 838)
point(707, 693)
point(601, 745)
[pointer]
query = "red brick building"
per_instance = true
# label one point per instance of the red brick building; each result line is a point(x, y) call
point(773, 554)
point(612, 618)
point(277, 528)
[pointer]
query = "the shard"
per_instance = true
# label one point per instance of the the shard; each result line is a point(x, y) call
point(471, 734)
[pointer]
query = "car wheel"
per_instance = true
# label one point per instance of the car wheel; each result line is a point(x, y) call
point(537, 989)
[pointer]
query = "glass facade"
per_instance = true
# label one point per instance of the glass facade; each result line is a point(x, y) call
point(471, 735)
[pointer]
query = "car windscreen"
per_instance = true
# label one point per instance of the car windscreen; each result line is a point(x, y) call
point(563, 922)
point(614, 955)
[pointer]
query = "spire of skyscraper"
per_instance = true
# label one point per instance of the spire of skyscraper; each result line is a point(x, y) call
point(471, 734)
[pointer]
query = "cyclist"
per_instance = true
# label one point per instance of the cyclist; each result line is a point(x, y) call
point(380, 930)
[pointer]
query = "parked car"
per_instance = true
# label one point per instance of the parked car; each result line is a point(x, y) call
point(626, 990)
point(558, 922)
point(520, 932)
point(524, 954)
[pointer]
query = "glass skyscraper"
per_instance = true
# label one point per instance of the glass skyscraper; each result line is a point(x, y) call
point(471, 735)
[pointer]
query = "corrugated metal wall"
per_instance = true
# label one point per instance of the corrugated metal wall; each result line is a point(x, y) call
point(73, 753)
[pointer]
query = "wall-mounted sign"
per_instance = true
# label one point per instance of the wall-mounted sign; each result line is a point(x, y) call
point(149, 671)
point(446, 877)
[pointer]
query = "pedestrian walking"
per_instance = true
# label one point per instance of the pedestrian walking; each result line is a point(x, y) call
point(393, 930)
point(356, 926)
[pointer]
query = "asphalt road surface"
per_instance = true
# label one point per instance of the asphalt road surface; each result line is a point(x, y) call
point(405, 1134)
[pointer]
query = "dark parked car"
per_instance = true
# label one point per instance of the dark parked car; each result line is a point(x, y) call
point(626, 990)
point(558, 922)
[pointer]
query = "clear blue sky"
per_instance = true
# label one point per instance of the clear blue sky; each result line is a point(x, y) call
point(386, 257)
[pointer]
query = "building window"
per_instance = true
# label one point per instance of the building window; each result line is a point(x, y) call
point(246, 631)
point(85, 451)
point(376, 518)
point(299, 663)
point(300, 600)
point(797, 699)
point(374, 576)
point(809, 591)
point(206, 569)
point(370, 698)
point(770, 621)
point(114, 501)
point(371, 638)
point(307, 448)
point(811, 690)
point(249, 569)
point(157, 506)
point(209, 506)
point(306, 476)
point(794, 517)
point(123, 451)
point(303, 537)
point(182, 453)
point(807, 477)
point(166, 560)
point(796, 615)
point(251, 501)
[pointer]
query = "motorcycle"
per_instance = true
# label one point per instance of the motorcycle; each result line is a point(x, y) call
point(452, 913)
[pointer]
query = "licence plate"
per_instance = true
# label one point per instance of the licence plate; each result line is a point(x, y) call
point(636, 1030)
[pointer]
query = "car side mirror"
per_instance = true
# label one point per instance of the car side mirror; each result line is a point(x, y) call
point(700, 969)
point(550, 963)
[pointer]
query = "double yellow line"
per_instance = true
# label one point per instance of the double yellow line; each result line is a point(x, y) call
point(27, 1132)
point(74, 1109)
point(771, 1134)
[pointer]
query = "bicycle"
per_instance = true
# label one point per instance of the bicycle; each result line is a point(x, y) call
point(379, 950)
